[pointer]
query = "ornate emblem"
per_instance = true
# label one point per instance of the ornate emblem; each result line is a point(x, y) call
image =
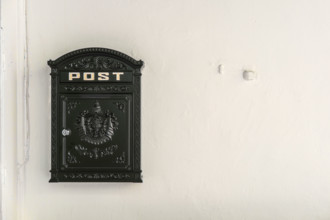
point(97, 127)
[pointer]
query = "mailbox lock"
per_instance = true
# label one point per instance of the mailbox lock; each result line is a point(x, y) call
point(66, 132)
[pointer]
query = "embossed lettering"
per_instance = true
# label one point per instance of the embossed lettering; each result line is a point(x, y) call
point(103, 76)
point(89, 76)
point(118, 75)
point(74, 75)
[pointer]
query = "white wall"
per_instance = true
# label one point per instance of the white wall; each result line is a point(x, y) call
point(213, 145)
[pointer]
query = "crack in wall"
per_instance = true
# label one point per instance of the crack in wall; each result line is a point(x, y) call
point(26, 121)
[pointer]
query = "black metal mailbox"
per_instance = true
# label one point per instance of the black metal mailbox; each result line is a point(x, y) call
point(95, 125)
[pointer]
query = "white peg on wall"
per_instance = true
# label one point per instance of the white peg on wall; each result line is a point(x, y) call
point(220, 68)
point(249, 75)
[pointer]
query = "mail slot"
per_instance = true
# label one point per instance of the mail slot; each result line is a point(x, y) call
point(95, 117)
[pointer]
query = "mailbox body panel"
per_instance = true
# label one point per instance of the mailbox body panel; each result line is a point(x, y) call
point(95, 117)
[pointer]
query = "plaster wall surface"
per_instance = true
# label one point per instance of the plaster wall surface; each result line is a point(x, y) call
point(214, 146)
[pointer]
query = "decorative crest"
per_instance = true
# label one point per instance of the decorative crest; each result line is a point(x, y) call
point(97, 127)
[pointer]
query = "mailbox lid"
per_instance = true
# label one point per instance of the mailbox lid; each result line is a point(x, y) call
point(96, 132)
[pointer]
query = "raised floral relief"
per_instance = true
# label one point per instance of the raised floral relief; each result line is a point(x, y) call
point(96, 88)
point(97, 62)
point(71, 106)
point(93, 153)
